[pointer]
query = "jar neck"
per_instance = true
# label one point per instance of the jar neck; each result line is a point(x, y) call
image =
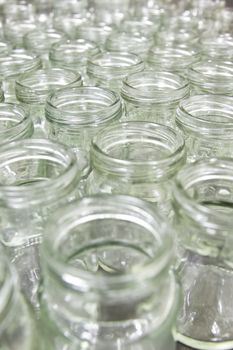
point(121, 41)
point(41, 40)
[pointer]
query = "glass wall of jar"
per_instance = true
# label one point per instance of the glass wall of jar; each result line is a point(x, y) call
point(20, 10)
point(203, 206)
point(40, 41)
point(175, 38)
point(36, 176)
point(211, 77)
point(153, 96)
point(17, 327)
point(171, 59)
point(14, 31)
point(71, 7)
point(108, 69)
point(69, 24)
point(98, 33)
point(207, 125)
point(14, 64)
point(126, 42)
point(142, 27)
point(138, 159)
point(109, 12)
point(218, 47)
point(106, 276)
point(15, 123)
point(73, 55)
point(5, 47)
point(32, 89)
point(75, 115)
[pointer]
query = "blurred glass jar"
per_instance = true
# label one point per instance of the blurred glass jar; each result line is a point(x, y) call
point(171, 59)
point(203, 206)
point(73, 55)
point(14, 31)
point(32, 89)
point(211, 77)
point(126, 42)
point(5, 48)
point(17, 327)
point(220, 47)
point(109, 12)
point(177, 38)
point(106, 273)
point(153, 96)
point(138, 159)
point(69, 24)
point(15, 123)
point(20, 10)
point(93, 32)
point(142, 27)
point(70, 7)
point(75, 115)
point(36, 176)
point(108, 69)
point(12, 66)
point(40, 41)
point(207, 125)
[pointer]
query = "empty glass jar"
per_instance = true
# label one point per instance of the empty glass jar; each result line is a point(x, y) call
point(108, 69)
point(106, 277)
point(14, 31)
point(153, 96)
point(203, 207)
point(138, 159)
point(36, 176)
point(33, 88)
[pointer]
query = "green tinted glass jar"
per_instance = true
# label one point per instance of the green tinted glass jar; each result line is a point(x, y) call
point(153, 96)
point(36, 176)
point(211, 77)
point(14, 64)
point(15, 123)
point(73, 54)
point(138, 159)
point(32, 89)
point(207, 125)
point(108, 69)
point(203, 207)
point(107, 284)
point(17, 327)
point(75, 115)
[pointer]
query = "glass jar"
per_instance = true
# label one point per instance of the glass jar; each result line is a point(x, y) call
point(40, 41)
point(73, 55)
point(207, 125)
point(211, 77)
point(36, 176)
point(107, 284)
point(138, 159)
point(15, 30)
point(15, 123)
point(70, 23)
point(32, 89)
point(153, 96)
point(142, 27)
point(203, 206)
point(5, 48)
point(126, 42)
point(171, 59)
point(98, 33)
point(108, 69)
point(75, 115)
point(14, 64)
point(177, 38)
point(110, 12)
point(17, 326)
point(220, 47)
point(18, 11)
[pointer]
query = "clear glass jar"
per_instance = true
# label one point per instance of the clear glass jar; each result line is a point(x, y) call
point(18, 10)
point(73, 55)
point(107, 284)
point(36, 177)
point(75, 115)
point(108, 69)
point(207, 125)
point(15, 123)
point(110, 12)
point(17, 326)
point(138, 159)
point(174, 38)
point(15, 30)
point(153, 96)
point(126, 42)
point(32, 89)
point(40, 41)
point(203, 207)
point(142, 27)
point(211, 77)
point(5, 48)
point(14, 64)
point(171, 59)
point(70, 23)
point(98, 33)
point(220, 47)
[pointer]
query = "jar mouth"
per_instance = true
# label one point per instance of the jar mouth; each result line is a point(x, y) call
point(34, 171)
point(207, 115)
point(116, 64)
point(154, 87)
point(203, 192)
point(40, 39)
point(83, 106)
point(148, 242)
point(138, 150)
point(34, 87)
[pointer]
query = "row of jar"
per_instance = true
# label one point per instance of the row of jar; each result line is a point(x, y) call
point(104, 274)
